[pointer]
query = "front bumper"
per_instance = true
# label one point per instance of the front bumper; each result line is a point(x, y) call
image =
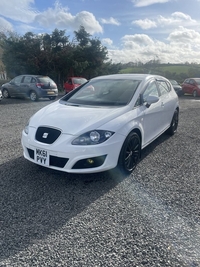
point(63, 156)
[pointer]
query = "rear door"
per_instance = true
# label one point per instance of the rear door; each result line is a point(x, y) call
point(152, 120)
point(25, 86)
point(192, 86)
point(167, 105)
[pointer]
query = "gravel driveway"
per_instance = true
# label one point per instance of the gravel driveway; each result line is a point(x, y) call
point(150, 218)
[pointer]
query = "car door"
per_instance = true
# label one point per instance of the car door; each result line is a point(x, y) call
point(185, 86)
point(167, 104)
point(69, 85)
point(15, 86)
point(152, 118)
point(192, 86)
point(25, 86)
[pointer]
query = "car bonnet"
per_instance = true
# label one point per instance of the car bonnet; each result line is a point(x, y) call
point(74, 120)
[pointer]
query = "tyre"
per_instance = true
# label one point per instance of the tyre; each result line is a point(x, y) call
point(33, 96)
point(130, 153)
point(5, 93)
point(174, 123)
point(194, 93)
point(52, 97)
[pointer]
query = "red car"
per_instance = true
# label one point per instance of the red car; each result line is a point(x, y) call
point(72, 83)
point(191, 86)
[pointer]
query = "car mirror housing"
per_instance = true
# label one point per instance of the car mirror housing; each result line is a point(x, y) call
point(150, 100)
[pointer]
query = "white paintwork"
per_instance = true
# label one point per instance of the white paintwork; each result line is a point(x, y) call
point(76, 120)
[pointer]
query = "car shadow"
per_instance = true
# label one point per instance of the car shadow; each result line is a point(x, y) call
point(35, 201)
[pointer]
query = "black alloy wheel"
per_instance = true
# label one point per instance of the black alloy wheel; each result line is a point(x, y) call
point(130, 153)
point(194, 93)
point(174, 123)
point(5, 93)
point(33, 96)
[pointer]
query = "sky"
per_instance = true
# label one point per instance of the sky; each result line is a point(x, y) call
point(132, 30)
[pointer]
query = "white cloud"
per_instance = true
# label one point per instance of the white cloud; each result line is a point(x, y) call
point(59, 17)
point(176, 19)
point(183, 35)
point(137, 39)
point(107, 41)
point(142, 3)
point(183, 45)
point(5, 26)
point(111, 20)
point(145, 24)
point(18, 11)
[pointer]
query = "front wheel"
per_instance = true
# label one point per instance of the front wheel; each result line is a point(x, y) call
point(130, 153)
point(33, 96)
point(174, 123)
point(5, 93)
point(194, 93)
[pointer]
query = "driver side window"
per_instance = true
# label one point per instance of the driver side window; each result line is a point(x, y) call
point(151, 90)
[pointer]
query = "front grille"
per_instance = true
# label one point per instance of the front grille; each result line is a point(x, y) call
point(47, 135)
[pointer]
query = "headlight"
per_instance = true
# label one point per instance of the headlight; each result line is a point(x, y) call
point(26, 128)
point(92, 138)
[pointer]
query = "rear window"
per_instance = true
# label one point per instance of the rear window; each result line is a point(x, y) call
point(45, 80)
point(79, 80)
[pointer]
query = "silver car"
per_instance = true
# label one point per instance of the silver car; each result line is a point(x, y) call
point(32, 86)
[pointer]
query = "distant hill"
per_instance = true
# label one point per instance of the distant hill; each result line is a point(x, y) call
point(177, 72)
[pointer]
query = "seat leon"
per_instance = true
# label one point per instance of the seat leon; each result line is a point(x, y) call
point(103, 124)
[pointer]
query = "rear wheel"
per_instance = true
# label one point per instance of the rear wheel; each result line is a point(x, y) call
point(33, 96)
point(130, 153)
point(194, 93)
point(5, 93)
point(174, 123)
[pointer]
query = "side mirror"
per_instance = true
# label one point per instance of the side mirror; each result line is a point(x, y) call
point(151, 100)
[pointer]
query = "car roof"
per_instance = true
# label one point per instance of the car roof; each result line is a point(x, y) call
point(135, 76)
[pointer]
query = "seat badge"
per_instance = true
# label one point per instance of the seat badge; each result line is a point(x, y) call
point(45, 135)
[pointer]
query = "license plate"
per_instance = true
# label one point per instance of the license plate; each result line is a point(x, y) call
point(42, 156)
point(50, 93)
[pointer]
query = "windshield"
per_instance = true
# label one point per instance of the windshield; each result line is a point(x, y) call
point(79, 80)
point(173, 82)
point(197, 81)
point(113, 92)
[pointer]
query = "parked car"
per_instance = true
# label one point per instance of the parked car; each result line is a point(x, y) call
point(33, 86)
point(177, 87)
point(0, 95)
point(102, 124)
point(73, 82)
point(191, 86)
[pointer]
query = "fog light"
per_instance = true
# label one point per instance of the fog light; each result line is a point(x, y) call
point(90, 161)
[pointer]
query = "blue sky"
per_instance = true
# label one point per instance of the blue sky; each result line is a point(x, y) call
point(132, 30)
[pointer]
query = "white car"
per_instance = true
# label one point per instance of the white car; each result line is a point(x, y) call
point(102, 124)
point(0, 95)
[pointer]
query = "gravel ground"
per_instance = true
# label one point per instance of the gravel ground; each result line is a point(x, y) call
point(150, 218)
